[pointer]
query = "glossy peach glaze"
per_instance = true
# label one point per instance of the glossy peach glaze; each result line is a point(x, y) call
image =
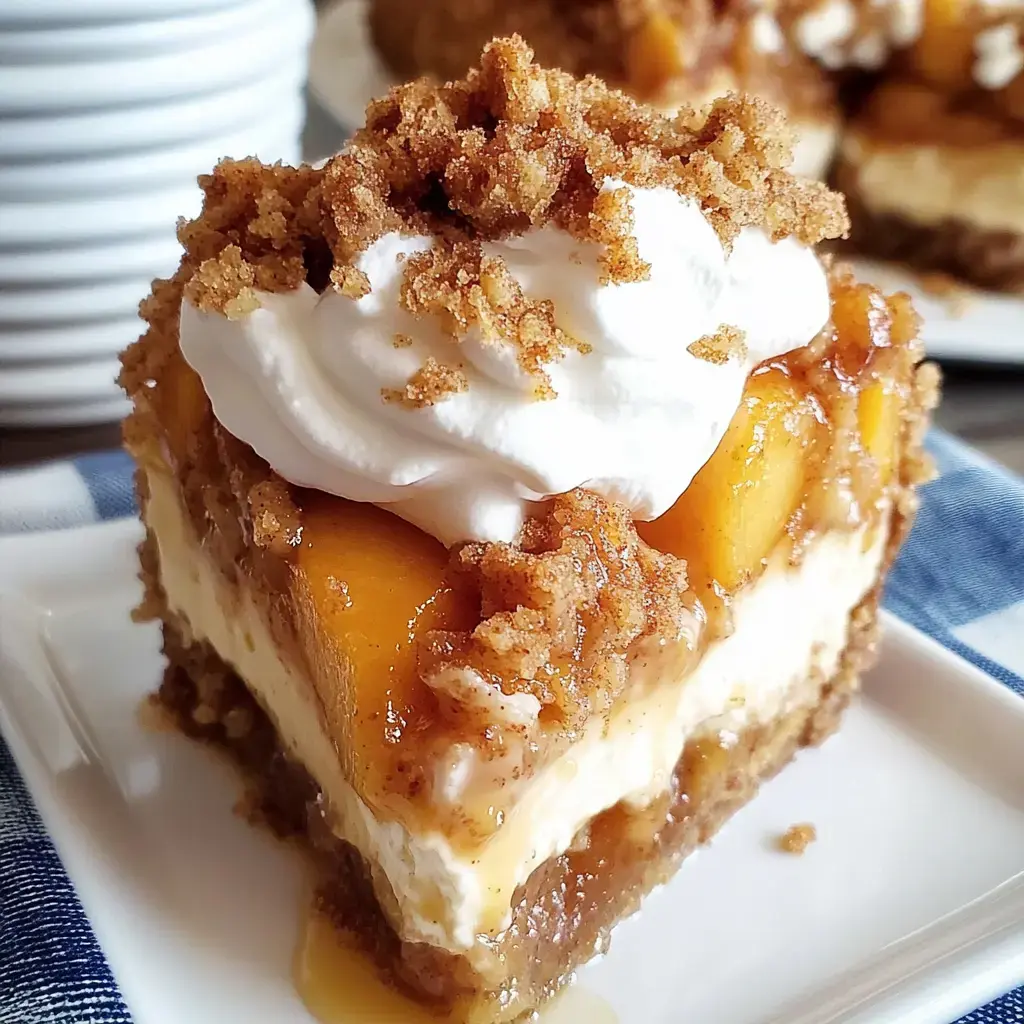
point(366, 586)
point(360, 587)
point(370, 585)
point(734, 512)
point(789, 448)
point(376, 584)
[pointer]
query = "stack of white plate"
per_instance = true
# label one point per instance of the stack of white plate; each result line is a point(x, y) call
point(109, 109)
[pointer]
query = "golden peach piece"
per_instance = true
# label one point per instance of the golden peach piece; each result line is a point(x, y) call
point(654, 54)
point(942, 55)
point(371, 585)
point(735, 511)
point(878, 417)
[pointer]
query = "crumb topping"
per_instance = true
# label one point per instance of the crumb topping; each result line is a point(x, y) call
point(797, 838)
point(561, 611)
point(509, 148)
point(463, 288)
point(718, 348)
point(431, 383)
point(225, 282)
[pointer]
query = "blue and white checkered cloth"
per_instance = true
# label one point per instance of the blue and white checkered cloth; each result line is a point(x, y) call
point(960, 578)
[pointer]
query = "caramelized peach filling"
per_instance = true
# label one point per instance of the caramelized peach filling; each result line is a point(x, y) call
point(369, 587)
point(878, 420)
point(812, 445)
point(375, 585)
point(735, 511)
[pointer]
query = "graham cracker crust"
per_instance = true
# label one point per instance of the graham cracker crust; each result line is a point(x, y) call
point(564, 912)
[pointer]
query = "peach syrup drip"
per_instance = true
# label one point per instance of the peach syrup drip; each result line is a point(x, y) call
point(338, 985)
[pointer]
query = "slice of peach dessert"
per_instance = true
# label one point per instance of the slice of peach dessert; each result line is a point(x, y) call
point(934, 179)
point(663, 52)
point(519, 488)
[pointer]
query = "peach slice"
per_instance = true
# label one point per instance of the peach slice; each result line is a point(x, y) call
point(942, 55)
point(654, 54)
point(735, 511)
point(369, 585)
point(878, 417)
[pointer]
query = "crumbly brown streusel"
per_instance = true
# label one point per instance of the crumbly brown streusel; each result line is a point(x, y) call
point(510, 147)
point(431, 383)
point(578, 591)
point(797, 838)
point(718, 348)
point(463, 288)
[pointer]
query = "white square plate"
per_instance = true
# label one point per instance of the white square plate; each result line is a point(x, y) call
point(909, 907)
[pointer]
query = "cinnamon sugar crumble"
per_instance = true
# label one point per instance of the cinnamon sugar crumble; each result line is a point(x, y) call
point(797, 838)
point(462, 287)
point(509, 148)
point(224, 283)
point(402, 341)
point(578, 592)
point(430, 384)
point(718, 348)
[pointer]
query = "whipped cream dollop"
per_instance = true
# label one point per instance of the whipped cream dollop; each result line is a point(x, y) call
point(300, 379)
point(840, 33)
point(999, 55)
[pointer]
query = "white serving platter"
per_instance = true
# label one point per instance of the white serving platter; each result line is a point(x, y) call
point(967, 326)
point(909, 908)
point(345, 73)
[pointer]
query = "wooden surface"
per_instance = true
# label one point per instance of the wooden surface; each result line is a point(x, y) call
point(986, 407)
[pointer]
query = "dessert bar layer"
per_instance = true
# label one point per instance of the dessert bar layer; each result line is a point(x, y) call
point(776, 681)
point(518, 488)
point(935, 181)
point(931, 239)
point(562, 914)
